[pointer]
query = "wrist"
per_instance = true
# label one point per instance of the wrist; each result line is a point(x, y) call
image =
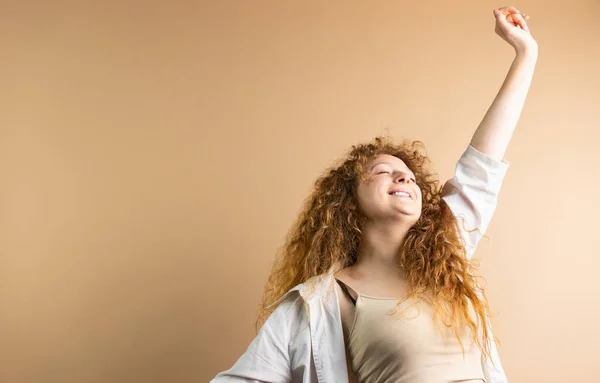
point(528, 52)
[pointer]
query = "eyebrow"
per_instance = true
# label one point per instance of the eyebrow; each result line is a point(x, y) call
point(387, 163)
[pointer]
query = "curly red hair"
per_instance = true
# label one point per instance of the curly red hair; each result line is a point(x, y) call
point(327, 233)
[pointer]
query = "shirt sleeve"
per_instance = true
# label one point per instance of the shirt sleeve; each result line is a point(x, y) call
point(472, 194)
point(267, 357)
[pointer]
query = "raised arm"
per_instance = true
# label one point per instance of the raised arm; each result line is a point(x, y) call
point(472, 192)
point(496, 129)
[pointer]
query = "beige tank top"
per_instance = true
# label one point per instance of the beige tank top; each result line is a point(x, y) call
point(407, 348)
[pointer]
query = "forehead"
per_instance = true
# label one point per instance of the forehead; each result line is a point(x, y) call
point(389, 160)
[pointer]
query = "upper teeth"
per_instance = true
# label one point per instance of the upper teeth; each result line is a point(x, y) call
point(401, 193)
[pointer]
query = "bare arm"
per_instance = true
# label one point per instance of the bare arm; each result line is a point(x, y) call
point(496, 129)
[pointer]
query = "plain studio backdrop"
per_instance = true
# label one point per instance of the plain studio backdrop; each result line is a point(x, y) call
point(154, 154)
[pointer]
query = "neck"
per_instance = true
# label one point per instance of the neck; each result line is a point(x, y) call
point(379, 247)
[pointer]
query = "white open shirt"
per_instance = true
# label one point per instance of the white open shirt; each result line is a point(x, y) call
point(291, 347)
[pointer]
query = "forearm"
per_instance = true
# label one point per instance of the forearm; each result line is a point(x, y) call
point(495, 130)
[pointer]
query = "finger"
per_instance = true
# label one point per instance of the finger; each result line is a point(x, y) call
point(513, 20)
point(508, 10)
point(501, 19)
point(521, 21)
point(512, 10)
point(517, 20)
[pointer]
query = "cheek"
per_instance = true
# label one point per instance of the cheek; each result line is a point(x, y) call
point(379, 189)
point(365, 194)
point(369, 192)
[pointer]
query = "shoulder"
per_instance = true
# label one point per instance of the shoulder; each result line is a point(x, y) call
point(288, 318)
point(287, 305)
point(316, 288)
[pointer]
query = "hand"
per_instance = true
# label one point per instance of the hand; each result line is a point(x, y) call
point(511, 25)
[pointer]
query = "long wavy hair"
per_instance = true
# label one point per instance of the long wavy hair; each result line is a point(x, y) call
point(433, 259)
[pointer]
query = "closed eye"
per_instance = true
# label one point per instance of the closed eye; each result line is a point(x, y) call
point(384, 172)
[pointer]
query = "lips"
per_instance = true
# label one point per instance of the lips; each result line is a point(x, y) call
point(391, 192)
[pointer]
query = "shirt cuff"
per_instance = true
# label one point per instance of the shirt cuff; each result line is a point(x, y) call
point(486, 160)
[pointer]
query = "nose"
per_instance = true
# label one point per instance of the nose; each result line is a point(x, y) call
point(405, 178)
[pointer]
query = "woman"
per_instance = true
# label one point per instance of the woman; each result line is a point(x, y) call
point(375, 283)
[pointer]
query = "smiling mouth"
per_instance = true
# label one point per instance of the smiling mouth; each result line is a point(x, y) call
point(400, 194)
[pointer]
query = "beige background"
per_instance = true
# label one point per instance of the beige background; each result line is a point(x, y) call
point(154, 154)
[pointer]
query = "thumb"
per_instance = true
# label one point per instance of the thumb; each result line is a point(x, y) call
point(500, 18)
